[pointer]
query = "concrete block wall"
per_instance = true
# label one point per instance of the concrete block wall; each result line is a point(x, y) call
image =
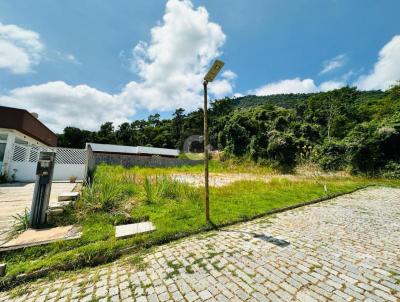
point(128, 160)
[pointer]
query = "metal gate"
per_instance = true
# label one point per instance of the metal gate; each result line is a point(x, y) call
point(69, 162)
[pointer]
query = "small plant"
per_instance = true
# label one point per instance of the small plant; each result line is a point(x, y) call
point(101, 194)
point(138, 262)
point(148, 190)
point(189, 269)
point(167, 187)
point(21, 223)
point(3, 178)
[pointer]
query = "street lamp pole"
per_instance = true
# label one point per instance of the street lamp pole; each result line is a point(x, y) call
point(207, 198)
point(210, 76)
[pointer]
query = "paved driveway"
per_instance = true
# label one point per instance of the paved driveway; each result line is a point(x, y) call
point(343, 249)
point(15, 197)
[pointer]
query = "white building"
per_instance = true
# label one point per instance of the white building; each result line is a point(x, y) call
point(21, 127)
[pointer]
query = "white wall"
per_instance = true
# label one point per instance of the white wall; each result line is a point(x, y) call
point(26, 171)
point(11, 136)
point(24, 158)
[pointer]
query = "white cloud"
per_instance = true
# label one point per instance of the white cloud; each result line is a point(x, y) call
point(59, 104)
point(386, 70)
point(72, 59)
point(20, 49)
point(223, 87)
point(333, 64)
point(170, 69)
point(331, 85)
point(295, 85)
point(66, 57)
point(229, 75)
point(171, 66)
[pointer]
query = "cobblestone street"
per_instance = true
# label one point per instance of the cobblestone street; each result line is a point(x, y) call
point(345, 249)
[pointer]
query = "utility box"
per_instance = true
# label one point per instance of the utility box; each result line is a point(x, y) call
point(41, 194)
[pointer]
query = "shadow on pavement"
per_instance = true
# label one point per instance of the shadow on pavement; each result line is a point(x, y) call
point(266, 238)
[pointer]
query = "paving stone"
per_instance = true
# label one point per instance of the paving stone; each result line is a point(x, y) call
point(163, 297)
point(101, 292)
point(205, 294)
point(385, 295)
point(339, 250)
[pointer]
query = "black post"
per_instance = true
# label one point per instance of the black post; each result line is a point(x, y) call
point(41, 195)
point(207, 201)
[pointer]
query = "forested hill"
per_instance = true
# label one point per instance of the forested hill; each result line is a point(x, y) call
point(292, 99)
point(280, 100)
point(340, 129)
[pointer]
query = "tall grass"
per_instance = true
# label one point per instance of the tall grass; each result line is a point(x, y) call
point(113, 186)
point(163, 187)
point(102, 194)
point(149, 192)
point(20, 224)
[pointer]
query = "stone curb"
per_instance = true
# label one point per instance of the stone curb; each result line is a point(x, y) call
point(17, 280)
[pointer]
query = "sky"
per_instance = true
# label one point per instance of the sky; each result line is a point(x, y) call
point(85, 62)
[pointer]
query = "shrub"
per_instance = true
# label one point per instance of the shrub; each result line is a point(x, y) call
point(391, 170)
point(372, 146)
point(282, 149)
point(331, 155)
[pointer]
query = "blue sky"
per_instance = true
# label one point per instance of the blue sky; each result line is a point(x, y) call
point(74, 62)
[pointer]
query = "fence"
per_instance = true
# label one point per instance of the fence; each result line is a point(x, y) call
point(129, 160)
point(69, 162)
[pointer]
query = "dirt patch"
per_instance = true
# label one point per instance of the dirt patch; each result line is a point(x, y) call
point(223, 179)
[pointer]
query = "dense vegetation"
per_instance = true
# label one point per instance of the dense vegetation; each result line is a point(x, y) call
point(341, 129)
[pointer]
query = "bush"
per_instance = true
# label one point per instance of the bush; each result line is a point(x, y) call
point(371, 146)
point(331, 155)
point(391, 170)
point(282, 149)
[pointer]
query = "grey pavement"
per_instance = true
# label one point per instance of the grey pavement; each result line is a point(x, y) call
point(15, 197)
point(345, 249)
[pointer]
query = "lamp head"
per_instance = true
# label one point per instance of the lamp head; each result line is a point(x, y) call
point(214, 70)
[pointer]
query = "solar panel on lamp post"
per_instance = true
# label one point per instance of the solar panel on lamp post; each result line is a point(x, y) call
point(210, 76)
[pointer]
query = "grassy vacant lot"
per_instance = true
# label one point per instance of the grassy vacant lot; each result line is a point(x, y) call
point(119, 195)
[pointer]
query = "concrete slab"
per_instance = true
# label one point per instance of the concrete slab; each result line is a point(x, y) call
point(66, 196)
point(128, 230)
point(16, 197)
point(32, 237)
point(60, 204)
